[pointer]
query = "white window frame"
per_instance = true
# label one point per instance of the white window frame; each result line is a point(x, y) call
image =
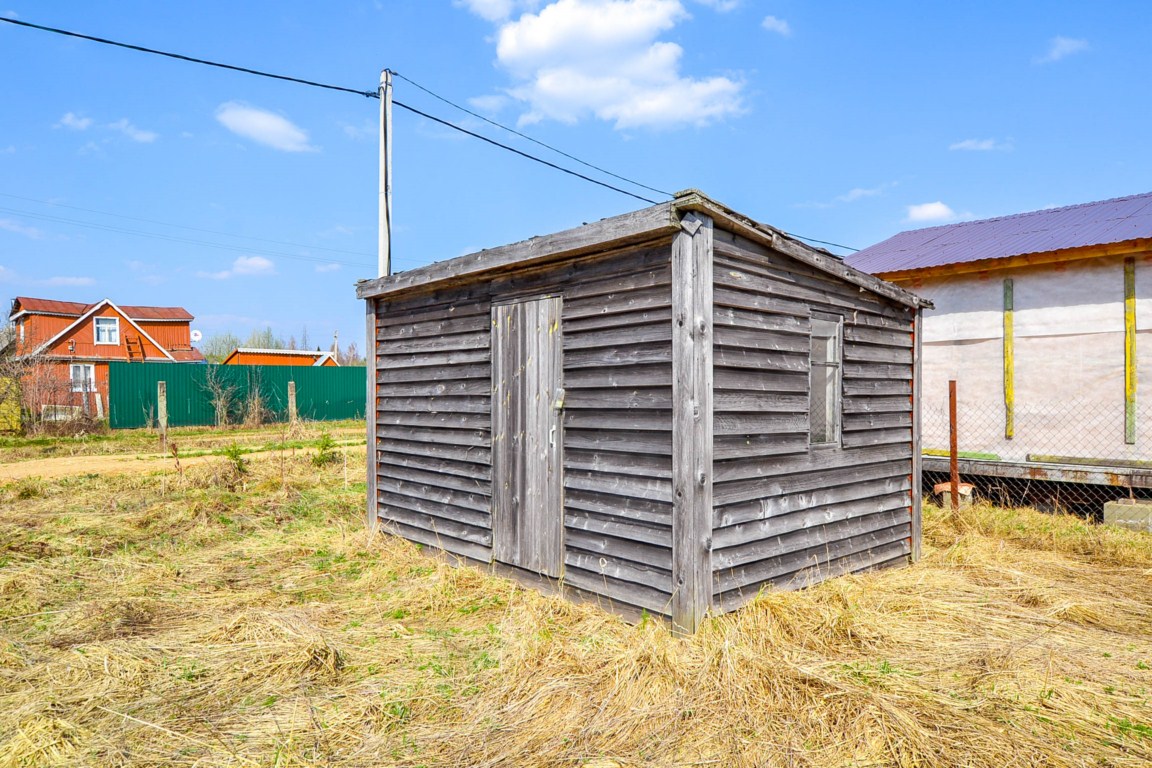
point(115, 331)
point(89, 378)
point(837, 389)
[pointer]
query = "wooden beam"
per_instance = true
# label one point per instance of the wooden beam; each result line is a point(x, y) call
point(691, 423)
point(786, 244)
point(1009, 362)
point(370, 345)
point(1125, 248)
point(917, 460)
point(602, 235)
point(1130, 350)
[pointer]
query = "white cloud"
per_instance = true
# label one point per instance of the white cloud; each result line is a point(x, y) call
point(601, 58)
point(8, 150)
point(1061, 47)
point(69, 281)
point(263, 127)
point(779, 26)
point(492, 103)
point(11, 14)
point(9, 225)
point(936, 211)
point(327, 267)
point(245, 266)
point(492, 10)
point(982, 145)
point(859, 193)
point(136, 134)
point(75, 122)
point(723, 6)
point(6, 275)
point(366, 130)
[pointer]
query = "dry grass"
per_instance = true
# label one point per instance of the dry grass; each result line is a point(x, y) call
point(190, 440)
point(151, 621)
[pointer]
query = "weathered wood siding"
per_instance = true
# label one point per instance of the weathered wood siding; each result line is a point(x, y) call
point(433, 416)
point(787, 514)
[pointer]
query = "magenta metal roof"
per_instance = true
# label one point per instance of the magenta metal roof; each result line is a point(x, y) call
point(1101, 223)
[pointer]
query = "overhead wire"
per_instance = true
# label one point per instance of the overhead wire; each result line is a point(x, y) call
point(315, 84)
point(376, 95)
point(525, 136)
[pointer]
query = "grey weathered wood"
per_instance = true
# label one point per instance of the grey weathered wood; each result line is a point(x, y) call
point(655, 488)
point(465, 437)
point(653, 298)
point(527, 503)
point(423, 376)
point(770, 570)
point(632, 354)
point(473, 454)
point(761, 423)
point(619, 570)
point(742, 357)
point(446, 404)
point(455, 388)
point(865, 438)
point(759, 381)
point(876, 558)
point(438, 539)
point(779, 544)
point(628, 508)
point(870, 353)
point(616, 231)
point(759, 339)
point(648, 375)
point(692, 358)
point(437, 478)
point(473, 339)
point(616, 594)
point(390, 481)
point(759, 488)
point(624, 420)
point(370, 409)
point(467, 469)
point(424, 419)
point(604, 545)
point(162, 408)
point(291, 402)
point(806, 518)
point(777, 240)
point(479, 521)
point(730, 317)
point(778, 467)
point(855, 370)
point(864, 421)
point(574, 327)
point(878, 404)
point(855, 333)
point(790, 503)
point(622, 464)
point(648, 398)
point(390, 357)
point(657, 443)
point(758, 446)
point(659, 330)
point(620, 527)
point(917, 448)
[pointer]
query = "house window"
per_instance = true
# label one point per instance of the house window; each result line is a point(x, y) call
point(107, 330)
point(824, 380)
point(83, 377)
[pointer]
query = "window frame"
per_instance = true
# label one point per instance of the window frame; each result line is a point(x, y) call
point(115, 332)
point(837, 410)
point(90, 377)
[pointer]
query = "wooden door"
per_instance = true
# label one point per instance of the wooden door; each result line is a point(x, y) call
point(527, 444)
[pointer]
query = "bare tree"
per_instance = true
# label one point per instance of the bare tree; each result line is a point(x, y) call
point(29, 381)
point(222, 393)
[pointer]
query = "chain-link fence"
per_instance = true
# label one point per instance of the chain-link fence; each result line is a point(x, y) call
point(1071, 455)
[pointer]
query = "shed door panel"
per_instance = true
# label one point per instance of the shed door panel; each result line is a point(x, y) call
point(527, 482)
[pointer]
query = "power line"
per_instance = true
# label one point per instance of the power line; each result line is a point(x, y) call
point(314, 84)
point(822, 242)
point(181, 57)
point(568, 171)
point(478, 116)
point(184, 226)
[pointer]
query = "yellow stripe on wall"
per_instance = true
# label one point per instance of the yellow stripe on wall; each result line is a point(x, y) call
point(1009, 364)
point(1130, 350)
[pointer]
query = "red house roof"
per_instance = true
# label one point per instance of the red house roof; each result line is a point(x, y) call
point(1105, 222)
point(76, 309)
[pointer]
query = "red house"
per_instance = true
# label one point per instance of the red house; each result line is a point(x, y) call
point(72, 344)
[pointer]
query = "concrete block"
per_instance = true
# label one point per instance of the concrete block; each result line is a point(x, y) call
point(1134, 514)
point(944, 491)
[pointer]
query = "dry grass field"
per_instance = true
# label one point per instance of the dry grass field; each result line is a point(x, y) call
point(245, 618)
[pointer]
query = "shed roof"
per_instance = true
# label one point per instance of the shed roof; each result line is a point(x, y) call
point(76, 309)
point(626, 229)
point(1106, 222)
point(319, 356)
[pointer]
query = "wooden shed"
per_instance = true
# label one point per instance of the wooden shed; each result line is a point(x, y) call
point(664, 411)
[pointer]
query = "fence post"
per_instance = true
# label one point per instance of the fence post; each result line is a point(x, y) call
point(291, 402)
point(953, 453)
point(162, 410)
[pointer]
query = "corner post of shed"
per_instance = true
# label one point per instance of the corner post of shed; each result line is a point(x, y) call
point(370, 409)
point(691, 422)
point(917, 448)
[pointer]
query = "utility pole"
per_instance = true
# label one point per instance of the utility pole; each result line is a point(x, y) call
point(385, 244)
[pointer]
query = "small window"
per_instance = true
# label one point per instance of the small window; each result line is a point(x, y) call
point(107, 330)
point(83, 377)
point(824, 381)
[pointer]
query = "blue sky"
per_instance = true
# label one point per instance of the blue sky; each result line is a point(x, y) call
point(253, 202)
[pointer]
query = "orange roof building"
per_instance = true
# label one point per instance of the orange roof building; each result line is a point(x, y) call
point(73, 343)
point(252, 356)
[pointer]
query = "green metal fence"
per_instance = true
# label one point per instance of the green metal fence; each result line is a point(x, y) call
point(197, 395)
